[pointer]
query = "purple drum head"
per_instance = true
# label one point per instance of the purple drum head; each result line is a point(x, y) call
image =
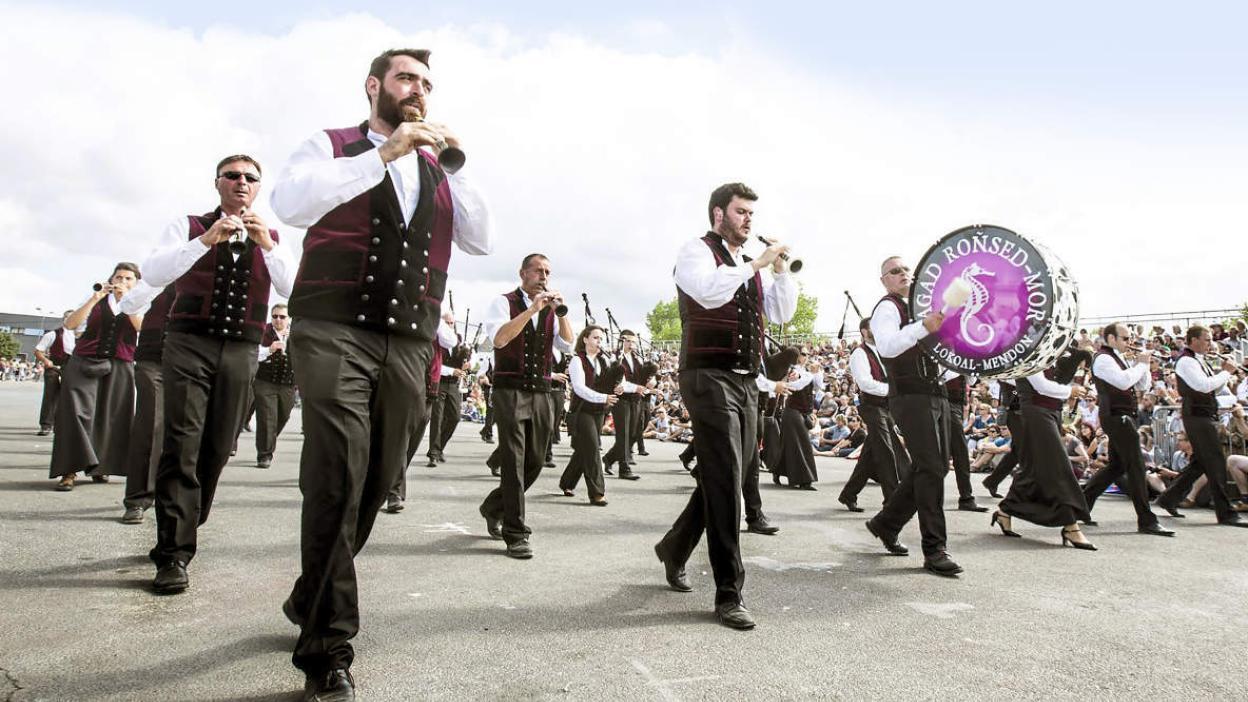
point(1010, 302)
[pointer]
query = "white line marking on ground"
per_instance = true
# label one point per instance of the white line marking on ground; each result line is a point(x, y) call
point(940, 610)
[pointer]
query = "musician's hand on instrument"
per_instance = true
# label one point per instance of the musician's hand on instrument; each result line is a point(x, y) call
point(782, 389)
point(408, 137)
point(769, 257)
point(486, 381)
point(1229, 366)
point(612, 399)
point(618, 389)
point(276, 346)
point(1078, 391)
point(559, 377)
point(257, 230)
point(221, 230)
point(448, 136)
point(932, 321)
point(105, 290)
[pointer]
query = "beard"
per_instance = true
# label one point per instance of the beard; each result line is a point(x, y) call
point(393, 112)
point(733, 234)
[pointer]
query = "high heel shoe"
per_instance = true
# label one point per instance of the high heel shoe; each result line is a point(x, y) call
point(1081, 545)
point(1000, 519)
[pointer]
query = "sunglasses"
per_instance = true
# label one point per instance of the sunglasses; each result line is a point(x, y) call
point(898, 270)
point(235, 175)
point(279, 316)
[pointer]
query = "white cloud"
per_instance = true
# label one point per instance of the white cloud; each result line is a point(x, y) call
point(599, 157)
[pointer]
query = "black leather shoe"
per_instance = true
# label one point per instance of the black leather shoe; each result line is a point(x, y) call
point(1156, 530)
point(941, 564)
point(626, 474)
point(1235, 522)
point(851, 505)
point(520, 549)
point(441, 458)
point(550, 463)
point(335, 685)
point(992, 490)
point(804, 486)
point(132, 515)
point(643, 453)
point(493, 525)
point(487, 438)
point(892, 545)
point(675, 573)
point(264, 461)
point(431, 463)
point(292, 614)
point(394, 505)
point(43, 432)
point(1172, 511)
point(734, 615)
point(762, 526)
point(606, 468)
point(971, 506)
point(687, 464)
point(171, 578)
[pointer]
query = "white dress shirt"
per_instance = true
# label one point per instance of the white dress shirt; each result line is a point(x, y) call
point(892, 339)
point(139, 298)
point(576, 376)
point(804, 378)
point(447, 339)
point(1198, 377)
point(713, 286)
point(630, 362)
point(1049, 388)
point(860, 371)
point(176, 252)
point(499, 313)
point(67, 342)
point(765, 384)
point(314, 182)
point(1137, 376)
point(283, 336)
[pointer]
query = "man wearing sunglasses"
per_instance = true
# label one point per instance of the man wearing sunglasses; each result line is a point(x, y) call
point(274, 388)
point(917, 400)
point(381, 216)
point(221, 265)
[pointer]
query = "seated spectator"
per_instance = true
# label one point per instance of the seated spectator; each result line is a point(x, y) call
point(1077, 453)
point(843, 448)
point(976, 427)
point(992, 449)
point(833, 434)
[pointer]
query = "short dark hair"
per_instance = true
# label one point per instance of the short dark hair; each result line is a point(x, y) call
point(381, 64)
point(627, 332)
point(1194, 332)
point(1110, 329)
point(864, 324)
point(238, 157)
point(127, 266)
point(723, 195)
point(529, 259)
point(278, 306)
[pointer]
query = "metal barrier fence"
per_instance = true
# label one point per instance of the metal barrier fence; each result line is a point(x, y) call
point(1167, 425)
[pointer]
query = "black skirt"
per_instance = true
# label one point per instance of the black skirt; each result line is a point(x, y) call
point(1045, 492)
point(797, 456)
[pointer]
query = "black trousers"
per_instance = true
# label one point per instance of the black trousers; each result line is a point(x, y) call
point(444, 415)
point(205, 382)
point(622, 418)
point(723, 407)
point(883, 458)
point(51, 391)
point(360, 390)
point(1126, 459)
point(146, 437)
point(585, 430)
point(1012, 460)
point(959, 453)
point(274, 403)
point(641, 417)
point(924, 422)
point(487, 393)
point(558, 397)
point(1209, 460)
point(420, 424)
point(93, 417)
point(523, 433)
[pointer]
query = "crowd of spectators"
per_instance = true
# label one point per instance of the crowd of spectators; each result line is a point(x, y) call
point(20, 370)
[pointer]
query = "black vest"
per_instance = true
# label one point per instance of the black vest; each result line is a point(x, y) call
point(592, 371)
point(913, 372)
point(1197, 404)
point(955, 387)
point(1028, 395)
point(1110, 400)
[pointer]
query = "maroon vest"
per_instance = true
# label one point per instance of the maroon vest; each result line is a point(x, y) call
point(877, 372)
point(107, 335)
point(591, 381)
point(1110, 400)
point(434, 382)
point(152, 334)
point(913, 372)
point(1027, 394)
point(219, 296)
point(56, 350)
point(730, 336)
point(276, 368)
point(363, 265)
point(1196, 404)
point(524, 363)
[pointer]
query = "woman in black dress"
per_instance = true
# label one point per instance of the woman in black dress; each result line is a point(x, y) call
point(797, 456)
point(1045, 491)
point(595, 388)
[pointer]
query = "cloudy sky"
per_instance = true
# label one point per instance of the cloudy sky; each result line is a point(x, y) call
point(1113, 132)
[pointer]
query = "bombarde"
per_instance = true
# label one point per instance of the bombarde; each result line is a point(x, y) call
point(238, 245)
point(794, 264)
point(450, 158)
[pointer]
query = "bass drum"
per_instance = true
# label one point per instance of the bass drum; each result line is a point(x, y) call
point(1021, 312)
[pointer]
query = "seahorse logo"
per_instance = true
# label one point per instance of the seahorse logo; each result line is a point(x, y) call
point(975, 303)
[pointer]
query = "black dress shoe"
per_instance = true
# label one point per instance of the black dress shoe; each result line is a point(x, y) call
point(493, 525)
point(643, 453)
point(264, 462)
point(734, 615)
point(393, 505)
point(431, 463)
point(674, 572)
point(805, 486)
point(992, 490)
point(292, 614)
point(1234, 521)
point(941, 564)
point(441, 458)
point(335, 685)
point(626, 474)
point(487, 438)
point(549, 463)
point(1156, 530)
point(851, 505)
point(171, 578)
point(43, 432)
point(892, 545)
point(1172, 511)
point(606, 468)
point(520, 549)
point(762, 526)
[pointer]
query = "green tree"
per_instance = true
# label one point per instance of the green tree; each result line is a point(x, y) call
point(9, 345)
point(664, 321)
point(803, 321)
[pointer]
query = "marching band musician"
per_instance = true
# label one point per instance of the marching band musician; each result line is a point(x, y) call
point(148, 429)
point(524, 329)
point(274, 385)
point(486, 381)
point(53, 351)
point(96, 407)
point(444, 410)
point(626, 412)
point(883, 457)
point(957, 390)
point(1046, 491)
point(1199, 387)
point(917, 402)
point(722, 299)
point(796, 460)
point(209, 354)
point(559, 396)
point(1116, 386)
point(381, 216)
point(590, 402)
